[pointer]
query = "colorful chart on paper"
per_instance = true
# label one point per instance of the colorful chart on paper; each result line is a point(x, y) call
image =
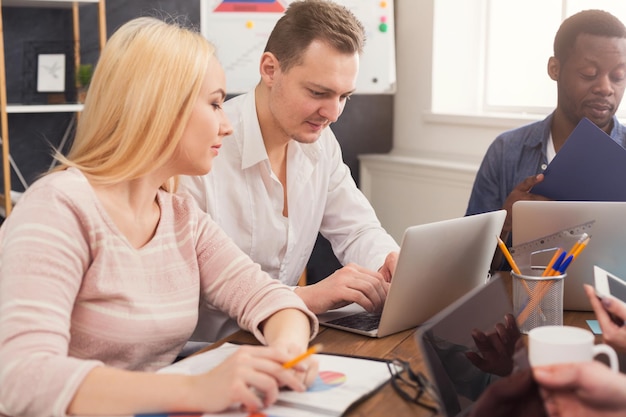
point(327, 380)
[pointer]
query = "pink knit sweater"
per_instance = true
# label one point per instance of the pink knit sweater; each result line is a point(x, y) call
point(74, 294)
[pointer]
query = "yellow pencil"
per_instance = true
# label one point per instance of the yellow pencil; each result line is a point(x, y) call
point(313, 349)
point(579, 242)
point(580, 248)
point(508, 256)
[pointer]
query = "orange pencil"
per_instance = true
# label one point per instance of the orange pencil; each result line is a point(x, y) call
point(543, 287)
point(533, 302)
point(508, 256)
point(540, 289)
point(580, 248)
point(313, 349)
point(578, 243)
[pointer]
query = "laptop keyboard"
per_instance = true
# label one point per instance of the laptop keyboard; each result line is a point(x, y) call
point(361, 321)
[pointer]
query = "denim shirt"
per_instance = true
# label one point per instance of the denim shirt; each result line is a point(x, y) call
point(511, 158)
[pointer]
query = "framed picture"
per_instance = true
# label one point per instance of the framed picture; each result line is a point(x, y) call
point(48, 72)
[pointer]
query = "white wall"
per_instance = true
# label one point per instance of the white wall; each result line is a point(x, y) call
point(429, 173)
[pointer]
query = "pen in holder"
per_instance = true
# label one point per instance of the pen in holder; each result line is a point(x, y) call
point(537, 299)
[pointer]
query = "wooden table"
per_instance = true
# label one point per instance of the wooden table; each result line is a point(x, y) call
point(400, 345)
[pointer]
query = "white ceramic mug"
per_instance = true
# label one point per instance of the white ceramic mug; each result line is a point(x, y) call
point(548, 345)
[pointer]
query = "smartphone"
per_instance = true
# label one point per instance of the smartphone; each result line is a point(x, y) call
point(608, 284)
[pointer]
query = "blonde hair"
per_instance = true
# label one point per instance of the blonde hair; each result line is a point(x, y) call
point(139, 101)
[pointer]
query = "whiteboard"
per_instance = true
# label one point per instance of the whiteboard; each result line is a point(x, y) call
point(239, 30)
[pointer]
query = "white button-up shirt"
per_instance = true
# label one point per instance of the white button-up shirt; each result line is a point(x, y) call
point(245, 198)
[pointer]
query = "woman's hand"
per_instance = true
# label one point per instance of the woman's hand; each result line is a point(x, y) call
point(250, 378)
point(613, 334)
point(289, 332)
point(585, 389)
point(307, 369)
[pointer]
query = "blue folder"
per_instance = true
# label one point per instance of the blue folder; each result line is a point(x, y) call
point(589, 167)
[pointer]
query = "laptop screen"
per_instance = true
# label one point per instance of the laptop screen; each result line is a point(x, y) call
point(537, 219)
point(460, 370)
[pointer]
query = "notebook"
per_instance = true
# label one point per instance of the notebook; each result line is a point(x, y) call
point(445, 339)
point(586, 168)
point(536, 219)
point(437, 264)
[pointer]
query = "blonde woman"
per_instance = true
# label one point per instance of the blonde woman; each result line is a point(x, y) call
point(102, 267)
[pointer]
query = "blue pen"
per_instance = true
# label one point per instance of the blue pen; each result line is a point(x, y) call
point(557, 265)
point(565, 264)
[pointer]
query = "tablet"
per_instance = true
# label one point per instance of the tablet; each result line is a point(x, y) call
point(447, 343)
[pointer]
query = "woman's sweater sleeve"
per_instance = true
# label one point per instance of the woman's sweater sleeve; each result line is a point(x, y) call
point(43, 254)
point(233, 283)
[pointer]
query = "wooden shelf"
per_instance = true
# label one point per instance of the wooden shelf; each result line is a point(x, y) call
point(18, 108)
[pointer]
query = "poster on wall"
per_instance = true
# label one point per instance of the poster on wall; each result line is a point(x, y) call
point(240, 29)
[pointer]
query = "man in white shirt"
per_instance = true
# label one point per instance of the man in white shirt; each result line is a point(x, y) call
point(280, 178)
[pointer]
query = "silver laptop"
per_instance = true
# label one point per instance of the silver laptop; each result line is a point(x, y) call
point(536, 219)
point(438, 263)
point(446, 338)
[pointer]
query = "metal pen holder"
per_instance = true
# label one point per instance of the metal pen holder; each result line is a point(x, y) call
point(537, 300)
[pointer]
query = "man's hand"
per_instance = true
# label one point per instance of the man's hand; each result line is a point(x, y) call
point(521, 192)
point(496, 347)
point(389, 267)
point(350, 284)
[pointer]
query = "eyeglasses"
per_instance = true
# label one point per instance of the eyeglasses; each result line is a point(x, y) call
point(411, 386)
